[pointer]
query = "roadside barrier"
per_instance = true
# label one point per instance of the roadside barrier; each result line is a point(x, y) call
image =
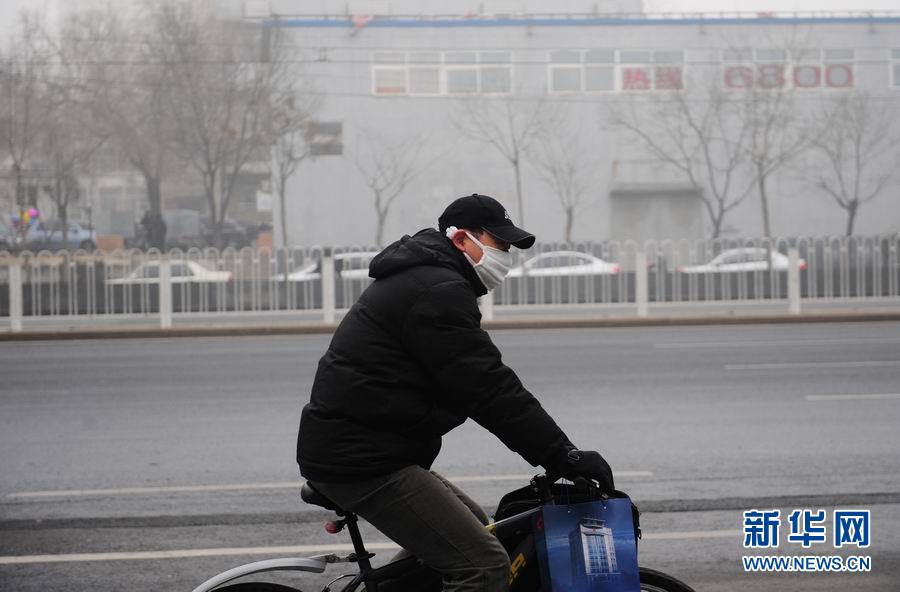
point(320, 281)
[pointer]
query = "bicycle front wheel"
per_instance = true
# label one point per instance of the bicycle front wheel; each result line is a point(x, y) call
point(657, 581)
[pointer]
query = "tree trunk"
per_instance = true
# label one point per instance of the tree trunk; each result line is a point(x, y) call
point(156, 233)
point(282, 208)
point(852, 208)
point(717, 224)
point(20, 200)
point(62, 210)
point(570, 214)
point(379, 230)
point(764, 202)
point(767, 229)
point(517, 166)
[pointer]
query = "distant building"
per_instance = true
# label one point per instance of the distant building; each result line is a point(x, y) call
point(394, 70)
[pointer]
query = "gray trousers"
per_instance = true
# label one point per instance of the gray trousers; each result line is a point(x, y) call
point(432, 519)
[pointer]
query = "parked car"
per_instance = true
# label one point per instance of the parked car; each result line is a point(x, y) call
point(742, 260)
point(180, 272)
point(234, 234)
point(347, 266)
point(564, 263)
point(49, 236)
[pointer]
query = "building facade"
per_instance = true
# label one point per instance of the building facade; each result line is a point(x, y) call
point(404, 89)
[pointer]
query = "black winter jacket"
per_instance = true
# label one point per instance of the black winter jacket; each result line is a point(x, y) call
point(408, 364)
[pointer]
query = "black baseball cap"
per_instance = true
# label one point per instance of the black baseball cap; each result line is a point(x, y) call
point(482, 211)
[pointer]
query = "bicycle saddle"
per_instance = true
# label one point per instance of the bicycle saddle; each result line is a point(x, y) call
point(313, 496)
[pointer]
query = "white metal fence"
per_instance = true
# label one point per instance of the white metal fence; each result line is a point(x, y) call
point(322, 280)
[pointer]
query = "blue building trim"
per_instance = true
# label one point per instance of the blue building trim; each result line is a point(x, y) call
point(444, 23)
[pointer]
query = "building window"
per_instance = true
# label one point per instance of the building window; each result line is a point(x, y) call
point(442, 73)
point(566, 71)
point(425, 73)
point(389, 73)
point(777, 68)
point(462, 81)
point(599, 70)
point(895, 68)
point(325, 137)
point(608, 70)
point(496, 72)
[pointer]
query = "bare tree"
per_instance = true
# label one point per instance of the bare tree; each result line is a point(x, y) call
point(292, 105)
point(289, 150)
point(698, 131)
point(566, 166)
point(388, 167)
point(65, 151)
point(24, 98)
point(124, 91)
point(218, 90)
point(776, 130)
point(857, 149)
point(510, 125)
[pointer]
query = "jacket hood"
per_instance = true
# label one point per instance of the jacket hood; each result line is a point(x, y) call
point(426, 247)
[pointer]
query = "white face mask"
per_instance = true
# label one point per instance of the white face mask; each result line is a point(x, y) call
point(494, 263)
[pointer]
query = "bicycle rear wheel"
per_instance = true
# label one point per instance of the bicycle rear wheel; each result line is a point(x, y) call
point(256, 587)
point(657, 581)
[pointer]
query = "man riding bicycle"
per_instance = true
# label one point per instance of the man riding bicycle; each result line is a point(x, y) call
point(410, 362)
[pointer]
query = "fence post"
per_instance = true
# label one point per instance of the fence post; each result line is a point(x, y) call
point(486, 304)
point(15, 296)
point(793, 281)
point(165, 293)
point(640, 282)
point(327, 285)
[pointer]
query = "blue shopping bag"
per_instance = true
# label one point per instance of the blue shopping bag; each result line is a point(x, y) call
point(588, 547)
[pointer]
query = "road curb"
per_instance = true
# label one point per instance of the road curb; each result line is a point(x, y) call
point(555, 322)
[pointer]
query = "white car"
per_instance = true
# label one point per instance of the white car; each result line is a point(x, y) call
point(744, 259)
point(564, 263)
point(347, 266)
point(180, 272)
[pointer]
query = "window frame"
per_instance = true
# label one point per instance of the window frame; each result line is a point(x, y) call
point(482, 60)
point(615, 67)
point(391, 68)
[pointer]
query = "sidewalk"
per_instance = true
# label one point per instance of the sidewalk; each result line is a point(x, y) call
point(520, 317)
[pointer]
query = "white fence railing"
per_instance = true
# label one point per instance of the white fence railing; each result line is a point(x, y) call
point(323, 280)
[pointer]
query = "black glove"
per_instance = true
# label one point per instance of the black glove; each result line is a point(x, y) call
point(572, 463)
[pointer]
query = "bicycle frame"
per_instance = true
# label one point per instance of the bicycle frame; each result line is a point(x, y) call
point(513, 528)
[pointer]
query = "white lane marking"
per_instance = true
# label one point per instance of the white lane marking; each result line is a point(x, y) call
point(188, 553)
point(256, 486)
point(867, 397)
point(860, 364)
point(288, 550)
point(770, 343)
point(144, 490)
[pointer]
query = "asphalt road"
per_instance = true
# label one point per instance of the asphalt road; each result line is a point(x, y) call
point(114, 453)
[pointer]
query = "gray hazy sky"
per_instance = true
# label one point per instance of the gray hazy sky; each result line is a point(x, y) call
point(9, 8)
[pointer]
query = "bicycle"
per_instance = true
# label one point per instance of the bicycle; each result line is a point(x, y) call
point(512, 526)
